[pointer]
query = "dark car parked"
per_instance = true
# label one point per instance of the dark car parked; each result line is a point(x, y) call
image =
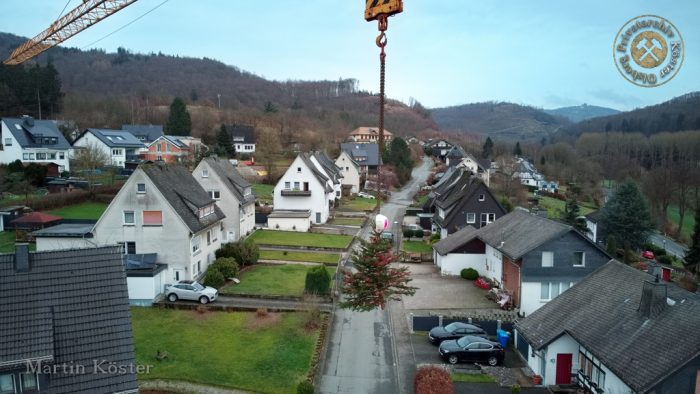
point(454, 330)
point(472, 349)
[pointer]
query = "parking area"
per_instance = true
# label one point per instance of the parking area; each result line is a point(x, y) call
point(427, 353)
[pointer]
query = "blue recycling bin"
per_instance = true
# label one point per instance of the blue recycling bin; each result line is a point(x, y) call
point(503, 337)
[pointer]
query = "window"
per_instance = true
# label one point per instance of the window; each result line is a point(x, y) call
point(140, 188)
point(41, 156)
point(51, 156)
point(205, 173)
point(152, 218)
point(471, 217)
point(61, 155)
point(549, 290)
point(7, 384)
point(215, 194)
point(29, 382)
point(129, 218)
point(590, 369)
point(159, 148)
point(287, 185)
point(31, 156)
point(296, 186)
point(208, 237)
point(8, 141)
point(298, 169)
point(167, 148)
point(25, 156)
point(129, 247)
point(116, 152)
point(579, 259)
point(347, 168)
point(548, 259)
point(196, 241)
point(487, 218)
point(482, 197)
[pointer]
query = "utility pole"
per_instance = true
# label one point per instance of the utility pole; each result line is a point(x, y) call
point(218, 97)
point(38, 100)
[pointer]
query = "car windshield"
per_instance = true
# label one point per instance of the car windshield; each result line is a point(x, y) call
point(463, 342)
point(451, 327)
point(197, 286)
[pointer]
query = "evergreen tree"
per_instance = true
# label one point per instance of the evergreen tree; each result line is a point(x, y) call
point(399, 155)
point(542, 160)
point(692, 258)
point(224, 142)
point(572, 215)
point(626, 216)
point(375, 282)
point(179, 121)
point(611, 246)
point(517, 151)
point(488, 148)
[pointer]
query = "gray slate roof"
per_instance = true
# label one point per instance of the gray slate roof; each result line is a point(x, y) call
point(306, 158)
point(184, 194)
point(356, 150)
point(241, 134)
point(66, 230)
point(30, 133)
point(233, 180)
point(175, 141)
point(144, 133)
point(115, 138)
point(456, 240)
point(329, 166)
point(71, 307)
point(601, 313)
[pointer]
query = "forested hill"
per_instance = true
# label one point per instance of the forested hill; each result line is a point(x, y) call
point(678, 114)
point(499, 120)
point(108, 89)
point(581, 112)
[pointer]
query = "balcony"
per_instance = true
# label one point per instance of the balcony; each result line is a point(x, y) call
point(296, 193)
point(132, 157)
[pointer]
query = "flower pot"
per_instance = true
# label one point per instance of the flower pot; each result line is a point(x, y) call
point(536, 380)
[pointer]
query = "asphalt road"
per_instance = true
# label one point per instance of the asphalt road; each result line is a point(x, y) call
point(361, 355)
point(671, 246)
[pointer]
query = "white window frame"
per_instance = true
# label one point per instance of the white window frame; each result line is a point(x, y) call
point(547, 259)
point(215, 194)
point(196, 245)
point(583, 259)
point(482, 197)
point(8, 141)
point(205, 173)
point(471, 217)
point(61, 155)
point(287, 185)
point(139, 188)
point(133, 218)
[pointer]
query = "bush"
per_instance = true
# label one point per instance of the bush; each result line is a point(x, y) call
point(244, 252)
point(407, 233)
point(665, 259)
point(214, 278)
point(469, 274)
point(432, 380)
point(227, 266)
point(434, 238)
point(318, 280)
point(655, 249)
point(418, 233)
point(226, 251)
point(305, 387)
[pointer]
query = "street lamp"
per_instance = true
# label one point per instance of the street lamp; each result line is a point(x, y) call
point(396, 229)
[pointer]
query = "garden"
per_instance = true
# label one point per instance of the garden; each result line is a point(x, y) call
point(296, 239)
point(357, 204)
point(307, 257)
point(272, 280)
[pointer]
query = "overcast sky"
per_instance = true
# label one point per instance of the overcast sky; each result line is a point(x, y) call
point(544, 53)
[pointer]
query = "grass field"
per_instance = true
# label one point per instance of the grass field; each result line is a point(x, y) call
point(263, 192)
point(688, 220)
point(7, 242)
point(358, 204)
point(347, 221)
point(555, 207)
point(473, 378)
point(291, 238)
point(420, 200)
point(230, 349)
point(86, 210)
point(310, 257)
point(276, 280)
point(416, 247)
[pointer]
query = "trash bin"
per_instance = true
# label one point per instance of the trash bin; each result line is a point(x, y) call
point(503, 337)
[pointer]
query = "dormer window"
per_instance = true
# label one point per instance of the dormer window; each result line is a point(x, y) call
point(205, 173)
point(206, 210)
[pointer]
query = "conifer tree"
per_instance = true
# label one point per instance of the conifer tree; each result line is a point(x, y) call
point(179, 121)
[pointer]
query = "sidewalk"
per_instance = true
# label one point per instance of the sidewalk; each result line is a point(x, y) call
point(225, 302)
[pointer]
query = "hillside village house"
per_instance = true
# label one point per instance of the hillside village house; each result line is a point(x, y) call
point(163, 210)
point(480, 168)
point(350, 170)
point(331, 171)
point(34, 141)
point(243, 138)
point(369, 134)
point(120, 146)
point(532, 257)
point(232, 194)
point(365, 155)
point(619, 330)
point(169, 149)
point(439, 148)
point(144, 133)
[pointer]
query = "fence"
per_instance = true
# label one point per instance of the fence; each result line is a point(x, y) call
point(490, 323)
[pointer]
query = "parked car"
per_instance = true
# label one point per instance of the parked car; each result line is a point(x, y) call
point(190, 290)
point(472, 349)
point(426, 187)
point(387, 236)
point(648, 254)
point(454, 330)
point(365, 195)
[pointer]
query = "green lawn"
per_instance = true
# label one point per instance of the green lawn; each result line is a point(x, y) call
point(223, 349)
point(358, 204)
point(347, 221)
point(555, 207)
point(416, 247)
point(688, 220)
point(473, 378)
point(292, 238)
point(420, 200)
point(7, 242)
point(263, 192)
point(310, 257)
point(277, 280)
point(86, 210)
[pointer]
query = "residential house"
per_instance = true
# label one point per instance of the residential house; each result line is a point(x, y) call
point(365, 155)
point(120, 146)
point(480, 168)
point(34, 141)
point(232, 194)
point(303, 188)
point(65, 325)
point(350, 170)
point(144, 133)
point(415, 140)
point(549, 186)
point(162, 209)
point(439, 148)
point(594, 224)
point(243, 138)
point(169, 149)
point(331, 171)
point(195, 145)
point(532, 257)
point(455, 156)
point(619, 330)
point(365, 135)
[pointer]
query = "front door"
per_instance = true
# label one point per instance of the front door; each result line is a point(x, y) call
point(179, 274)
point(318, 217)
point(563, 368)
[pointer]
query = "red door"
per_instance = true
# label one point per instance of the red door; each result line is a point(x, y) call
point(563, 368)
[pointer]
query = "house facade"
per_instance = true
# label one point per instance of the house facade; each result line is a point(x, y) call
point(439, 148)
point(34, 141)
point(144, 133)
point(480, 168)
point(233, 194)
point(243, 138)
point(365, 135)
point(163, 210)
point(303, 187)
point(331, 171)
point(603, 335)
point(350, 170)
point(120, 146)
point(169, 149)
point(365, 155)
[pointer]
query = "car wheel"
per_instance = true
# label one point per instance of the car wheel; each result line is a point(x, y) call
point(172, 297)
point(493, 361)
point(452, 359)
point(203, 300)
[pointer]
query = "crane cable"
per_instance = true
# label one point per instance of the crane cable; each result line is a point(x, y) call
point(126, 25)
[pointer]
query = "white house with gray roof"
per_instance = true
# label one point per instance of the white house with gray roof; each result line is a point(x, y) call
point(162, 209)
point(232, 194)
point(350, 170)
point(34, 141)
point(120, 146)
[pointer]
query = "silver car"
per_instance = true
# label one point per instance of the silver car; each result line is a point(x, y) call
point(190, 290)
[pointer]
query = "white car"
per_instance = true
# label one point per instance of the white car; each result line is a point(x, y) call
point(365, 195)
point(190, 290)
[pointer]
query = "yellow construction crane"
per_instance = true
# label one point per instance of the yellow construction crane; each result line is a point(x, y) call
point(78, 19)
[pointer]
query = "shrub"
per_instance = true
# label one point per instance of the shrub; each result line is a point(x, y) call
point(318, 280)
point(432, 380)
point(246, 252)
point(407, 233)
point(214, 278)
point(305, 387)
point(469, 274)
point(434, 238)
point(227, 266)
point(665, 259)
point(418, 233)
point(611, 247)
point(226, 251)
point(515, 388)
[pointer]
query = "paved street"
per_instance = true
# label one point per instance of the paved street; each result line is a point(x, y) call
point(362, 355)
point(671, 246)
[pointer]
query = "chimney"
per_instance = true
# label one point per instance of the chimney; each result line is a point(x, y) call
point(21, 258)
point(653, 299)
point(28, 121)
